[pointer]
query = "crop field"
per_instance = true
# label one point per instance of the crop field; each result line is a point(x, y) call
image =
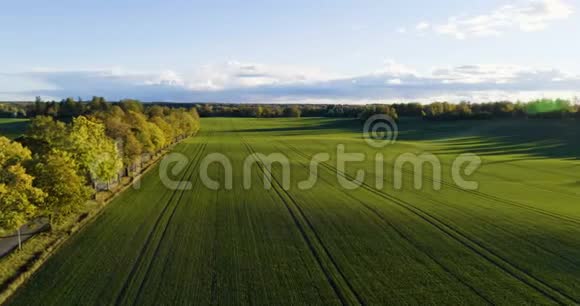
point(513, 240)
point(12, 128)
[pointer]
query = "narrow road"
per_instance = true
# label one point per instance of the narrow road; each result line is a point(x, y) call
point(10, 242)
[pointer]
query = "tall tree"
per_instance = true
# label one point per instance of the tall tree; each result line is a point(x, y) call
point(157, 137)
point(44, 133)
point(98, 104)
point(57, 174)
point(131, 105)
point(96, 154)
point(18, 196)
point(142, 130)
point(292, 111)
point(168, 131)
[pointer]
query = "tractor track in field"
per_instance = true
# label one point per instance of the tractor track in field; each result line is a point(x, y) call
point(389, 225)
point(557, 173)
point(454, 233)
point(511, 164)
point(196, 161)
point(121, 295)
point(411, 242)
point(543, 212)
point(496, 199)
point(508, 232)
point(540, 211)
point(214, 247)
point(485, 220)
point(505, 202)
point(277, 187)
point(490, 256)
point(153, 230)
point(495, 176)
point(456, 188)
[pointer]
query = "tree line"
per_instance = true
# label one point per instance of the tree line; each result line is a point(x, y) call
point(12, 110)
point(544, 108)
point(57, 165)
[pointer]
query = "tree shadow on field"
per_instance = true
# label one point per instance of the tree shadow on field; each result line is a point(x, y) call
point(532, 138)
point(523, 138)
point(304, 126)
point(13, 129)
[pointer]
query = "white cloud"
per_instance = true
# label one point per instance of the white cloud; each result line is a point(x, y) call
point(527, 16)
point(474, 74)
point(422, 26)
point(450, 29)
point(258, 83)
point(167, 77)
point(393, 68)
point(234, 74)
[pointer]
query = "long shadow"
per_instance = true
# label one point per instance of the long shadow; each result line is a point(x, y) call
point(535, 138)
point(307, 125)
point(530, 138)
point(13, 129)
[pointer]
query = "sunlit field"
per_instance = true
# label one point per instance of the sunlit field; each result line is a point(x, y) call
point(514, 239)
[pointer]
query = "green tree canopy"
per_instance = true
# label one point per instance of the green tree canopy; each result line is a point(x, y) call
point(57, 174)
point(18, 196)
point(97, 155)
point(45, 133)
point(292, 111)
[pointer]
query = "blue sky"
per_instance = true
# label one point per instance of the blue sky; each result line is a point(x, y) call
point(290, 51)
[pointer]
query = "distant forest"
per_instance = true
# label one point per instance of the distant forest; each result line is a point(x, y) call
point(544, 108)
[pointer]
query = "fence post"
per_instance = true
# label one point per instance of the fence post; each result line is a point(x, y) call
point(19, 240)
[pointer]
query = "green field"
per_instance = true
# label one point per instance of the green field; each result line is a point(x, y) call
point(12, 128)
point(515, 240)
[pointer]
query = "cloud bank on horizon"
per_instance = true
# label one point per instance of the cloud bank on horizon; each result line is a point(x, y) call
point(255, 83)
point(390, 81)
